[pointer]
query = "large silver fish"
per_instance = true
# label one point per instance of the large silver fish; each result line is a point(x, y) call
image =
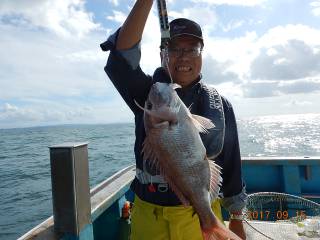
point(174, 146)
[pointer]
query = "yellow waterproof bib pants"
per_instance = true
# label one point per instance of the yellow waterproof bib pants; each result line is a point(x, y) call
point(154, 222)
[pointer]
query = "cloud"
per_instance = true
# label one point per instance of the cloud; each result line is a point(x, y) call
point(248, 3)
point(237, 52)
point(242, 51)
point(215, 72)
point(300, 86)
point(35, 63)
point(118, 17)
point(150, 40)
point(263, 63)
point(232, 25)
point(52, 66)
point(315, 5)
point(294, 103)
point(46, 112)
point(7, 107)
point(206, 17)
point(261, 89)
point(49, 79)
point(150, 51)
point(114, 2)
point(281, 34)
point(11, 113)
point(63, 17)
point(294, 60)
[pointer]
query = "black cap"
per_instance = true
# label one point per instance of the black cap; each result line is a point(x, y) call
point(183, 26)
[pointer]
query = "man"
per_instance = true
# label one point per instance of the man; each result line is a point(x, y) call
point(157, 212)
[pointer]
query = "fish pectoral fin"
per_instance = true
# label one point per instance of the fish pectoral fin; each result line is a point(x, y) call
point(202, 123)
point(215, 179)
point(148, 153)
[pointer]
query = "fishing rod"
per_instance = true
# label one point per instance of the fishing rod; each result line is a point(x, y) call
point(164, 23)
point(165, 33)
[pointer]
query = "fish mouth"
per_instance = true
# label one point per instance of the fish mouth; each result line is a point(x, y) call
point(159, 121)
point(162, 124)
point(163, 116)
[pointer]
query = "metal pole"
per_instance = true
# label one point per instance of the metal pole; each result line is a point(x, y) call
point(71, 191)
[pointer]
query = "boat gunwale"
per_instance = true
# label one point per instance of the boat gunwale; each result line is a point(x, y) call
point(299, 161)
point(46, 229)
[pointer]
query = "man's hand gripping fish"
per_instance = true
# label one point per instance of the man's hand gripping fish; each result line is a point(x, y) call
point(173, 144)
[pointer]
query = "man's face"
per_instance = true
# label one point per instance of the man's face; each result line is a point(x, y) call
point(185, 59)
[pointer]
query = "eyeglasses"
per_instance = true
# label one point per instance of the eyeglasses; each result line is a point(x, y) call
point(188, 52)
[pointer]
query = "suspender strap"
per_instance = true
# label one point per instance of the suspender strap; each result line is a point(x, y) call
point(146, 178)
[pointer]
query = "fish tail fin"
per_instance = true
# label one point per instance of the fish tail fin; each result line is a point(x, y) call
point(219, 232)
point(208, 236)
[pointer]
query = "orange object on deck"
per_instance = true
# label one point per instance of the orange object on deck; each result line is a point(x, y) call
point(126, 210)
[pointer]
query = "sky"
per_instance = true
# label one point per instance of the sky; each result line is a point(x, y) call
point(263, 55)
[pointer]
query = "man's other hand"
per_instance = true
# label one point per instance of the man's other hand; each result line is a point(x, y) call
point(236, 226)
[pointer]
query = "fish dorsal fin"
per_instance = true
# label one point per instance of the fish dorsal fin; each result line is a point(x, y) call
point(202, 123)
point(215, 179)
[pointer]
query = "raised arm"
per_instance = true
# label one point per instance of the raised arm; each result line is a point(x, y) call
point(132, 29)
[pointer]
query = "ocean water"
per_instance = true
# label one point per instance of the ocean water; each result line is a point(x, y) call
point(25, 183)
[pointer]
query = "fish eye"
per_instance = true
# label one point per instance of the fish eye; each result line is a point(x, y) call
point(149, 105)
